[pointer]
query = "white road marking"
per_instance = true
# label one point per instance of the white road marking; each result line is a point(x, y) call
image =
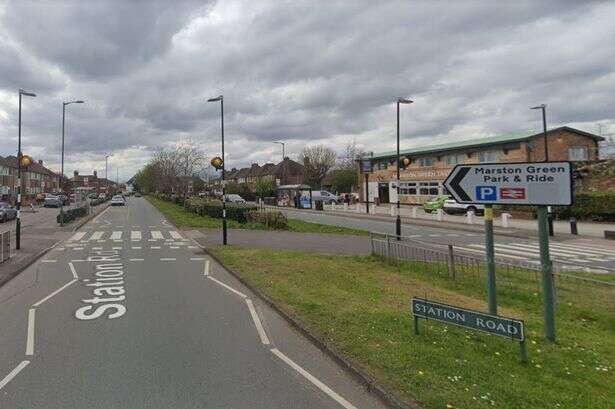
point(116, 248)
point(483, 252)
point(257, 322)
point(116, 235)
point(76, 261)
point(137, 259)
point(77, 248)
point(78, 236)
point(168, 259)
point(239, 293)
point(155, 247)
point(97, 235)
point(434, 235)
point(175, 234)
point(48, 261)
point(55, 292)
point(136, 248)
point(173, 247)
point(135, 235)
point(73, 271)
point(206, 270)
point(60, 249)
point(332, 394)
point(30, 338)
point(13, 373)
point(156, 234)
point(97, 248)
point(584, 249)
point(191, 247)
point(197, 258)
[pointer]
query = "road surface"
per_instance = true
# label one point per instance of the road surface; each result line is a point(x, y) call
point(128, 313)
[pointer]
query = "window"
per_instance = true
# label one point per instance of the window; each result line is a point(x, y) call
point(454, 159)
point(381, 165)
point(407, 188)
point(428, 188)
point(577, 153)
point(424, 162)
point(488, 156)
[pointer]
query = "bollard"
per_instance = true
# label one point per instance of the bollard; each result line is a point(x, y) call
point(573, 226)
point(439, 214)
point(505, 217)
point(470, 217)
point(393, 211)
point(414, 212)
point(451, 262)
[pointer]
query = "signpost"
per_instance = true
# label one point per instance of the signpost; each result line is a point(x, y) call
point(474, 320)
point(539, 184)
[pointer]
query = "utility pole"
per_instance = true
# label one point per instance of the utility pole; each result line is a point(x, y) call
point(398, 219)
point(19, 156)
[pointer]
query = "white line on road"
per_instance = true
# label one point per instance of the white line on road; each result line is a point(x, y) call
point(206, 270)
point(155, 247)
point(136, 248)
point(135, 235)
point(97, 235)
point(77, 248)
point(168, 259)
point(173, 247)
point(257, 322)
point(48, 261)
point(30, 338)
point(136, 259)
point(239, 293)
point(97, 248)
point(73, 271)
point(332, 394)
point(55, 292)
point(197, 258)
point(78, 236)
point(116, 248)
point(116, 235)
point(13, 373)
point(157, 235)
point(175, 234)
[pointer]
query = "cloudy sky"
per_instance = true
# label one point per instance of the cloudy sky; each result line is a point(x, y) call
point(301, 72)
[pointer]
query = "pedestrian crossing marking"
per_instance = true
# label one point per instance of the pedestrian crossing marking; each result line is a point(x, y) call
point(568, 253)
point(78, 236)
point(175, 235)
point(135, 235)
point(97, 235)
point(116, 235)
point(156, 234)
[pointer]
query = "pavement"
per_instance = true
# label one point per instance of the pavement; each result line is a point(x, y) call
point(128, 312)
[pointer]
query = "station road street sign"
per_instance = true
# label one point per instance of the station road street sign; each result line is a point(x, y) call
point(536, 183)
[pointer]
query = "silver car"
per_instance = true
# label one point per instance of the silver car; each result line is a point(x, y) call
point(7, 212)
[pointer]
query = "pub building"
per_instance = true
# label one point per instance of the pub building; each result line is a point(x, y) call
point(429, 165)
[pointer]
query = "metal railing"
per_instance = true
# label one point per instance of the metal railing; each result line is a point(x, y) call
point(444, 261)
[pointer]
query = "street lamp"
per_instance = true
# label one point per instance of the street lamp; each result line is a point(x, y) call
point(18, 221)
point(106, 178)
point(544, 128)
point(221, 99)
point(64, 104)
point(283, 149)
point(398, 219)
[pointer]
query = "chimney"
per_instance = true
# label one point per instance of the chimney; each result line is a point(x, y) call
point(76, 173)
point(40, 162)
point(286, 158)
point(95, 173)
point(255, 165)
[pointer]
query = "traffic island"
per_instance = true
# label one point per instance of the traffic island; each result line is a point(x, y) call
point(360, 305)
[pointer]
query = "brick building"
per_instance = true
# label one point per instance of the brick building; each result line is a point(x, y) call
point(35, 180)
point(431, 164)
point(91, 183)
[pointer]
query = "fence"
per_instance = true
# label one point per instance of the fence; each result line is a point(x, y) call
point(7, 244)
point(444, 261)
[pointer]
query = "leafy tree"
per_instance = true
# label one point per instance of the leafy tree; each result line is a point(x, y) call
point(264, 187)
point(317, 161)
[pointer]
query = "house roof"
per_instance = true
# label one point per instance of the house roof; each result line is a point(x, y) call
point(482, 142)
point(267, 169)
point(11, 161)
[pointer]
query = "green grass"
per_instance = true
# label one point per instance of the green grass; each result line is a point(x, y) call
point(184, 219)
point(361, 306)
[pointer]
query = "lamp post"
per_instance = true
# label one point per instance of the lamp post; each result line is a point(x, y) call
point(18, 221)
point(221, 99)
point(398, 219)
point(283, 149)
point(64, 104)
point(106, 178)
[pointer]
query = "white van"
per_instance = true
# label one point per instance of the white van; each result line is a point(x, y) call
point(326, 197)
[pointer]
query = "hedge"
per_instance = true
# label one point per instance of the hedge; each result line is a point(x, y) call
point(72, 214)
point(596, 206)
point(210, 208)
point(275, 220)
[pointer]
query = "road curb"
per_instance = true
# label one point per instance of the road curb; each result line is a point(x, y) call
point(31, 260)
point(370, 384)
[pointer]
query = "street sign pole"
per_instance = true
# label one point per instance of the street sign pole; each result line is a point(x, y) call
point(547, 274)
point(490, 253)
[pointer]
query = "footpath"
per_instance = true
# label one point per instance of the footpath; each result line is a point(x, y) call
point(40, 233)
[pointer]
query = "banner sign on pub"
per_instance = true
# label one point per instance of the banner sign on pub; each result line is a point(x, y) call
point(474, 320)
point(533, 183)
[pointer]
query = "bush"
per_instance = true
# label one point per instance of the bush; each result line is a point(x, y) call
point(275, 220)
point(213, 209)
point(596, 206)
point(72, 214)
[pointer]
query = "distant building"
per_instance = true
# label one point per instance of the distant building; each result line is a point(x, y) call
point(286, 172)
point(36, 179)
point(92, 183)
point(431, 164)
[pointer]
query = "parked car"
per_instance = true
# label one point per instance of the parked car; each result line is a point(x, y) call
point(434, 203)
point(234, 199)
point(52, 201)
point(451, 206)
point(63, 199)
point(325, 197)
point(118, 200)
point(7, 212)
point(101, 196)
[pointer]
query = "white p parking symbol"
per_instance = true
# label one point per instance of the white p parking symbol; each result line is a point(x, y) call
point(486, 193)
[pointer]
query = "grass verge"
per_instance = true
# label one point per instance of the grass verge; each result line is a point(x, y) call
point(361, 306)
point(182, 218)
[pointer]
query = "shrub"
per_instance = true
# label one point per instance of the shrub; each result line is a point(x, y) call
point(275, 220)
point(72, 214)
point(596, 206)
point(235, 212)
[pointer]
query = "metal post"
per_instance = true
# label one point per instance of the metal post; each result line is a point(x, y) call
point(224, 235)
point(416, 325)
point(490, 253)
point(451, 262)
point(62, 171)
point(367, 193)
point(544, 130)
point(398, 218)
point(550, 220)
point(547, 275)
point(18, 221)
point(573, 226)
point(522, 351)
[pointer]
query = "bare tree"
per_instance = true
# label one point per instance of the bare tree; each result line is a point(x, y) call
point(347, 161)
point(317, 161)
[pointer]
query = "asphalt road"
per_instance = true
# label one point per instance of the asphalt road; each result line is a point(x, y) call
point(571, 254)
point(128, 313)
